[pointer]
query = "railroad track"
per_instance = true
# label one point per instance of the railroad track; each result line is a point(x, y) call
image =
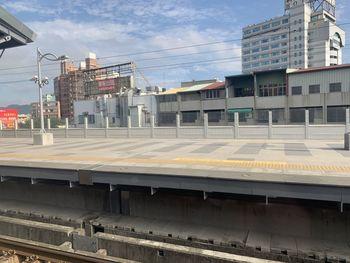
point(20, 250)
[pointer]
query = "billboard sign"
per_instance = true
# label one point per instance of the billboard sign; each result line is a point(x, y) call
point(8, 117)
point(105, 85)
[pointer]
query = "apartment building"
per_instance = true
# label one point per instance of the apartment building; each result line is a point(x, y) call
point(305, 36)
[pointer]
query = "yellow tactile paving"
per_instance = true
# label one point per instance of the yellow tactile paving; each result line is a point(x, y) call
point(185, 161)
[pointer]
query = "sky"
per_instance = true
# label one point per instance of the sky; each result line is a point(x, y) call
point(192, 40)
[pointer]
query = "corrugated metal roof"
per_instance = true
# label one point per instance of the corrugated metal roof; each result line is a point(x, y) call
point(217, 85)
point(172, 91)
point(194, 88)
point(308, 70)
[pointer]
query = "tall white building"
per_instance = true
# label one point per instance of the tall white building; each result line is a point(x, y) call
point(305, 36)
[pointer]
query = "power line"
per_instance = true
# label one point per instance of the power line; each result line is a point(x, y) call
point(181, 47)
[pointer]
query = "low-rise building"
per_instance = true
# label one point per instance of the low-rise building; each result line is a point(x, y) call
point(324, 91)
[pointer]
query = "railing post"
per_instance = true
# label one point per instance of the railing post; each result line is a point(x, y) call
point(106, 126)
point(270, 125)
point(347, 120)
point(85, 127)
point(236, 124)
point(67, 127)
point(152, 126)
point(307, 124)
point(205, 133)
point(178, 126)
point(129, 126)
point(16, 127)
point(48, 124)
point(31, 127)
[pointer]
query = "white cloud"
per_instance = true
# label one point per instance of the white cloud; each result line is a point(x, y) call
point(111, 35)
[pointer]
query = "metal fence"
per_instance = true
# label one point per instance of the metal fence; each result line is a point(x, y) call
point(268, 131)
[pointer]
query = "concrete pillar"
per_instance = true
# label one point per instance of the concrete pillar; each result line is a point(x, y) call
point(178, 125)
point(67, 127)
point(270, 125)
point(106, 126)
point(129, 126)
point(115, 200)
point(236, 125)
point(48, 124)
point(205, 127)
point(347, 121)
point(152, 126)
point(86, 126)
point(307, 124)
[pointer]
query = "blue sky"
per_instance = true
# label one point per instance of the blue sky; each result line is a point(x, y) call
point(111, 28)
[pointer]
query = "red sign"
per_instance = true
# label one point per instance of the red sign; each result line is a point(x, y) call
point(8, 117)
point(107, 84)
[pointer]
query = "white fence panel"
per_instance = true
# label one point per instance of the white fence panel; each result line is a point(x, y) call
point(253, 132)
point(327, 132)
point(117, 132)
point(221, 132)
point(288, 132)
point(23, 133)
point(140, 132)
point(8, 133)
point(191, 132)
point(162, 132)
point(76, 133)
point(58, 132)
point(95, 133)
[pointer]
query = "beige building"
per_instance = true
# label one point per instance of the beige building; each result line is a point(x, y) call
point(51, 108)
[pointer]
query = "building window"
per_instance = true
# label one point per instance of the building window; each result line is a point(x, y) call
point(264, 55)
point(314, 89)
point(335, 87)
point(190, 116)
point(255, 43)
point(284, 44)
point(264, 48)
point(255, 50)
point(272, 89)
point(275, 61)
point(285, 21)
point(277, 23)
point(246, 45)
point(246, 52)
point(246, 32)
point(297, 90)
point(265, 40)
point(284, 36)
point(266, 26)
point(212, 94)
point(275, 45)
point(256, 29)
point(275, 38)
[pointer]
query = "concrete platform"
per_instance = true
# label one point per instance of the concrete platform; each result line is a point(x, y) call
point(291, 169)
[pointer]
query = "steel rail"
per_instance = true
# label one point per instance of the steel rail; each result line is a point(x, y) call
point(53, 253)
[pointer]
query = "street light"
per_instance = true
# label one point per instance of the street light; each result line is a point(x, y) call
point(42, 82)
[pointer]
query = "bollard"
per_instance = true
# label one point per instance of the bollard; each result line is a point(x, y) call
point(31, 127)
point(48, 124)
point(307, 124)
point(178, 126)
